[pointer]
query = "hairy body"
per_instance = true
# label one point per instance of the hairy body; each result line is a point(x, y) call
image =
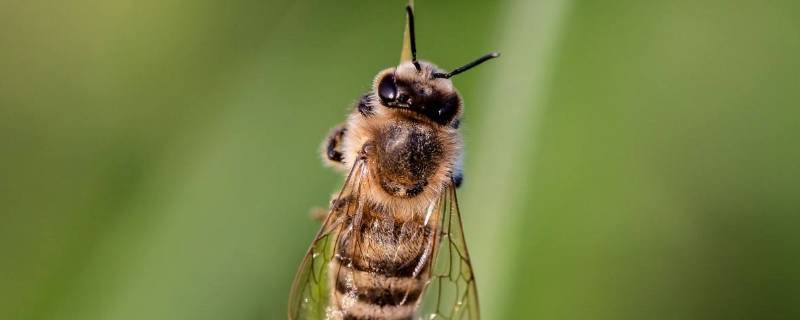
point(382, 262)
point(378, 250)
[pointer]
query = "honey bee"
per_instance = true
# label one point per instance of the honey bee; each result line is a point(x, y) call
point(392, 243)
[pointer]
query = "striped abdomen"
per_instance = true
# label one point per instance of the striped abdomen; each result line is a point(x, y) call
point(381, 266)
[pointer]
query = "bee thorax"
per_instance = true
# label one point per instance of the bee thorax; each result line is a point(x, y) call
point(407, 156)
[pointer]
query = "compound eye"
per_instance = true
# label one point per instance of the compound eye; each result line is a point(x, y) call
point(447, 111)
point(387, 90)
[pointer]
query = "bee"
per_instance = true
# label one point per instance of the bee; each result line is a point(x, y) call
point(392, 244)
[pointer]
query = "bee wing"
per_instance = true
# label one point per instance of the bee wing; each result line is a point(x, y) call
point(309, 297)
point(451, 292)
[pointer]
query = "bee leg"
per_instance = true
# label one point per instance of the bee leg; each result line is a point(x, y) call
point(458, 178)
point(332, 147)
point(364, 105)
point(458, 174)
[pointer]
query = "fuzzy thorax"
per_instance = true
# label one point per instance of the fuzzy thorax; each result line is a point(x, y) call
point(409, 160)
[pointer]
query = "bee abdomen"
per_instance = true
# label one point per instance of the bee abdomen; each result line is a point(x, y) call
point(365, 295)
point(385, 267)
point(380, 271)
point(382, 296)
point(392, 249)
point(378, 290)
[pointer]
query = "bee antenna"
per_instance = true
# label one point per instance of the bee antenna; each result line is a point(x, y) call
point(467, 66)
point(410, 13)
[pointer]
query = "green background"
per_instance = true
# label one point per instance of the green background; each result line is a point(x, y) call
point(625, 159)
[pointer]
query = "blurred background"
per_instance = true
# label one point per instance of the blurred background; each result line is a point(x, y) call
point(625, 159)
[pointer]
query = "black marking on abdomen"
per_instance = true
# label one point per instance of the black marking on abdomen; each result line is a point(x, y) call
point(362, 295)
point(392, 295)
point(387, 268)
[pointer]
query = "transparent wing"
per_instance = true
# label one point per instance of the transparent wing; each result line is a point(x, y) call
point(451, 292)
point(309, 297)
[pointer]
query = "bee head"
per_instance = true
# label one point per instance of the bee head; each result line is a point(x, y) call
point(404, 87)
point(420, 86)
